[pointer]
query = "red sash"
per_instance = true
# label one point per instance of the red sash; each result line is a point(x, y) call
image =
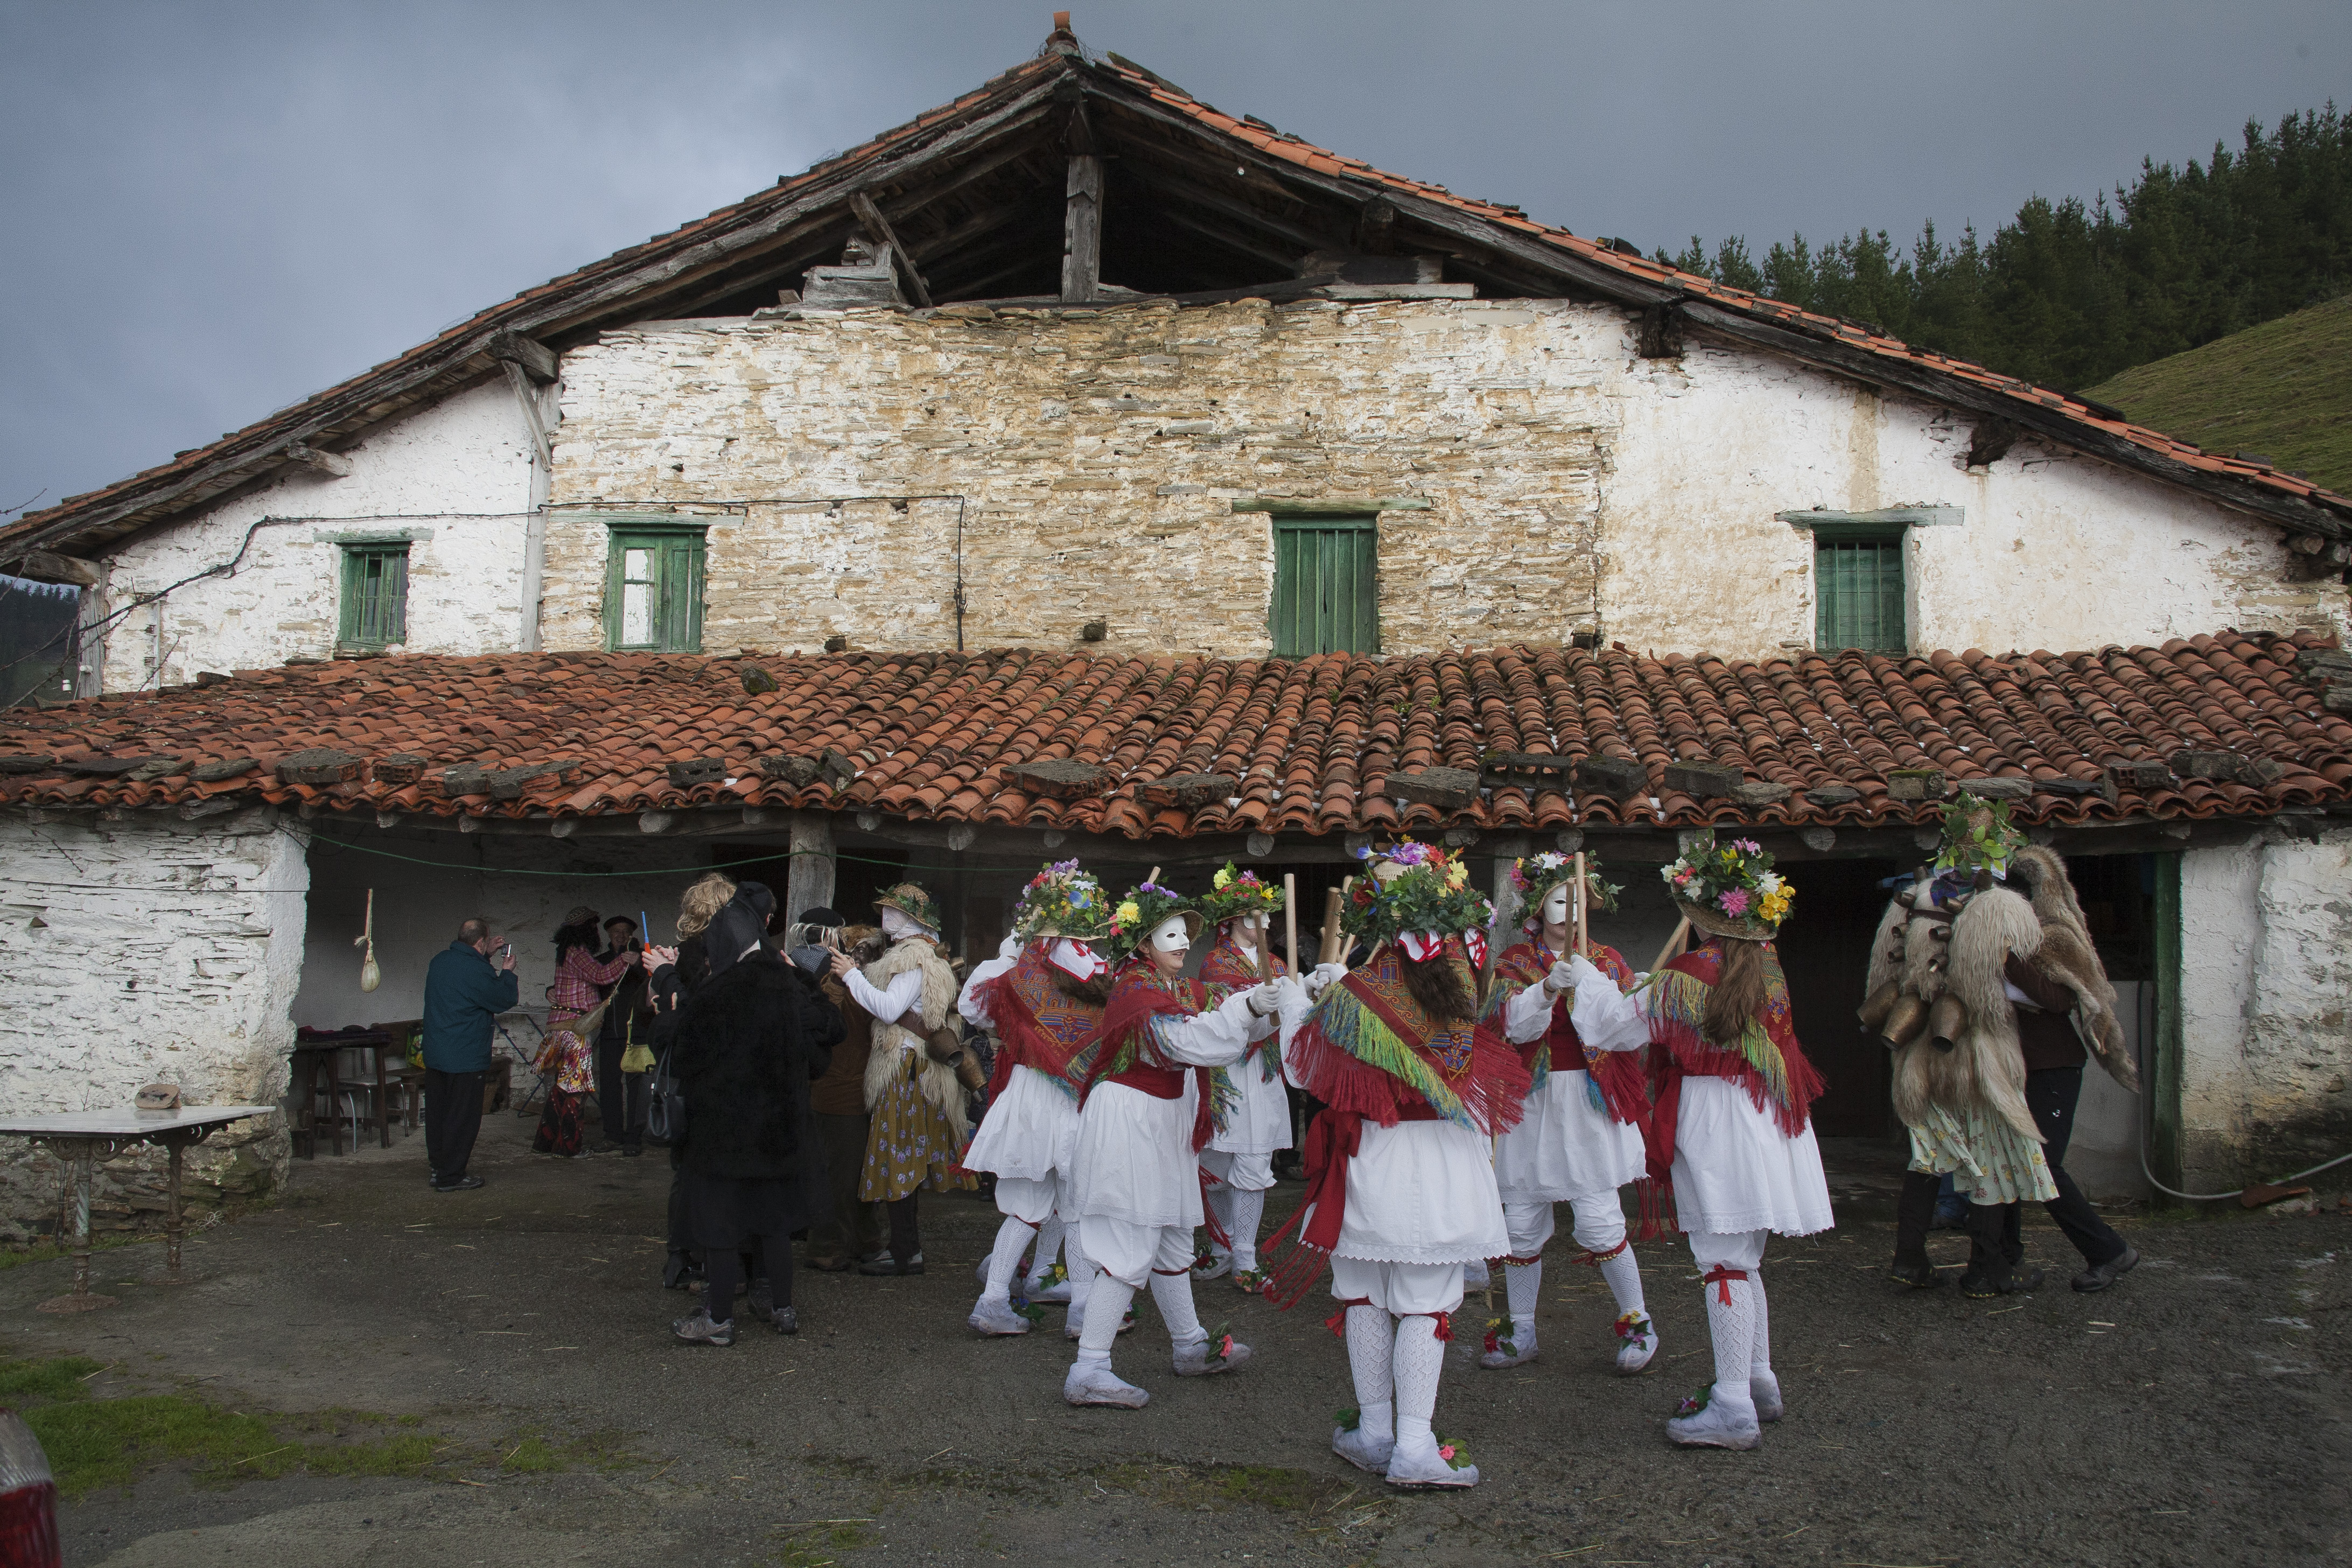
point(1123, 1050)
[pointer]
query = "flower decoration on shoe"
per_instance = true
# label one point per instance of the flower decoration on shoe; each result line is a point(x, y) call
point(1350, 1419)
point(1728, 890)
point(1057, 1275)
point(1455, 1455)
point(1249, 1281)
point(1495, 1340)
point(1633, 1325)
point(1695, 1402)
point(1025, 1308)
point(1061, 901)
point(1233, 893)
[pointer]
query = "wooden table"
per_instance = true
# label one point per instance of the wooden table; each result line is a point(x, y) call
point(82, 1138)
point(311, 1060)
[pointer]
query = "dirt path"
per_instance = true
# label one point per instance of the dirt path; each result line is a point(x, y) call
point(2194, 1417)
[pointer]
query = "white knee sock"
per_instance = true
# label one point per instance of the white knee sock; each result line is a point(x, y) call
point(1623, 1276)
point(1220, 1205)
point(1759, 1354)
point(1107, 1303)
point(1172, 1294)
point(1420, 1358)
point(1049, 1242)
point(1523, 1283)
point(1081, 1267)
point(1241, 1222)
point(1732, 1326)
point(1005, 1258)
point(1371, 1348)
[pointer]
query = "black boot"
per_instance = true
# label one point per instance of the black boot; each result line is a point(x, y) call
point(1915, 1211)
point(1993, 1255)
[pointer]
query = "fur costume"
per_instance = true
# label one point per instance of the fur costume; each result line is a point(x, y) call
point(2068, 956)
point(894, 1041)
point(1986, 1070)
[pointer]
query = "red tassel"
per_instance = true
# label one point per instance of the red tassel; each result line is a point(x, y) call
point(1209, 1214)
point(1444, 1326)
point(1721, 1277)
point(1337, 1321)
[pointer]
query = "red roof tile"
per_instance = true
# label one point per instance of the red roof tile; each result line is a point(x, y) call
point(935, 736)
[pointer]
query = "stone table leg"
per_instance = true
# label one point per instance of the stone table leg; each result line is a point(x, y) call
point(83, 1155)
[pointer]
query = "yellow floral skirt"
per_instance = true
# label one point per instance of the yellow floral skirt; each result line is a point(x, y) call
point(1988, 1160)
point(911, 1145)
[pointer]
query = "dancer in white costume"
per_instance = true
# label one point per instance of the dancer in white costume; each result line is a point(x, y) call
point(1252, 1105)
point(1580, 1138)
point(1140, 1134)
point(1731, 1122)
point(1042, 997)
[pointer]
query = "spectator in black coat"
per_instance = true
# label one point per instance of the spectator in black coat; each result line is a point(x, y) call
point(748, 1041)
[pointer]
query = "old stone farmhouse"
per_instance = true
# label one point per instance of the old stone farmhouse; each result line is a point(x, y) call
point(1081, 469)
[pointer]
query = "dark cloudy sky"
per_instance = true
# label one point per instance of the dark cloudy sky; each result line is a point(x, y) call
point(213, 209)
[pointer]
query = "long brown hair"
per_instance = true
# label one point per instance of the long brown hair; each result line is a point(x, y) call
point(1738, 993)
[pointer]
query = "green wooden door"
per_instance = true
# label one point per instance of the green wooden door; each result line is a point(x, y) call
point(1327, 595)
point(1858, 586)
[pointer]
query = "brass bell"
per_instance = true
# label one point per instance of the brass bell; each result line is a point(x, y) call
point(1904, 1022)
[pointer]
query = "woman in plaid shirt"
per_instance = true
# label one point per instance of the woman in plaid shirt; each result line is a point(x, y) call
point(568, 1058)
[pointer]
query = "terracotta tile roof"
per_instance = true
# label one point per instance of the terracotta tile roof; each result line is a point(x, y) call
point(1311, 743)
point(618, 287)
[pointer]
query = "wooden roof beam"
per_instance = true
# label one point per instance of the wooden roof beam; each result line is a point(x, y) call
point(877, 227)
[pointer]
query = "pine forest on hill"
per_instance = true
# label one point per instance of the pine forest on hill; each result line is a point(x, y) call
point(2068, 295)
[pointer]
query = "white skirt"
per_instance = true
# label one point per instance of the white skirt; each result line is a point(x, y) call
point(1135, 1159)
point(1736, 1171)
point(1261, 1123)
point(1421, 1192)
point(1031, 1130)
point(1563, 1148)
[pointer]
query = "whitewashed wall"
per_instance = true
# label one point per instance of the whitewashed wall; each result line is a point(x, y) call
point(2266, 1008)
point(142, 951)
point(431, 477)
point(2055, 551)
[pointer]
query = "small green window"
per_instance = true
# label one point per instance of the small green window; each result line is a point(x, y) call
point(653, 590)
point(1858, 587)
point(1327, 592)
point(376, 597)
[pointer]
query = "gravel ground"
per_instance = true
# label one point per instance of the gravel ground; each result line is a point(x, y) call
point(2193, 1415)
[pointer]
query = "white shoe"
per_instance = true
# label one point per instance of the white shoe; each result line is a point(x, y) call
point(1362, 1449)
point(1100, 1385)
point(1045, 1290)
point(1216, 1266)
point(1194, 1359)
point(1427, 1466)
point(1765, 1390)
point(1707, 1422)
point(1474, 1276)
point(1639, 1346)
point(994, 1316)
point(1505, 1346)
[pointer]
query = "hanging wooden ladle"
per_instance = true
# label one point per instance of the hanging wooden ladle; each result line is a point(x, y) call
point(370, 976)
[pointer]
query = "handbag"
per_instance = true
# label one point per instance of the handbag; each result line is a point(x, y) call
point(635, 1055)
point(665, 1103)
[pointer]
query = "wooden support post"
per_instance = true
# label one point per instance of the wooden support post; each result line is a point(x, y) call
point(1082, 230)
point(878, 228)
point(528, 396)
point(808, 883)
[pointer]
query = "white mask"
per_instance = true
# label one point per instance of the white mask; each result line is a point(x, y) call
point(1172, 935)
point(1076, 959)
point(897, 923)
point(1555, 906)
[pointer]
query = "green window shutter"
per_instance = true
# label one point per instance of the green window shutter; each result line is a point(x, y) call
point(1326, 586)
point(652, 591)
point(1858, 588)
point(374, 610)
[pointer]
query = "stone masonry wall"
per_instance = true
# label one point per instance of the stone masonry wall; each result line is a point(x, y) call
point(145, 952)
point(1099, 454)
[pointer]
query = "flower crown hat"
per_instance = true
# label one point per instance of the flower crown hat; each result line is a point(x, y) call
point(1416, 889)
point(1977, 837)
point(1232, 894)
point(1728, 890)
point(1140, 914)
point(911, 900)
point(1533, 877)
point(1061, 901)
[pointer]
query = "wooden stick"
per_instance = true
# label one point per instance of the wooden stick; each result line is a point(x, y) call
point(1261, 928)
point(1154, 877)
point(1583, 938)
point(1673, 944)
point(1290, 916)
point(1332, 900)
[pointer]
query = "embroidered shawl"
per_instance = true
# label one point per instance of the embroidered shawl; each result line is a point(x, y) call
point(1227, 965)
point(1766, 1061)
point(1368, 1049)
point(1038, 1024)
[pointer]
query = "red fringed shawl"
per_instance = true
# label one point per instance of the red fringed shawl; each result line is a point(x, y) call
point(1615, 1075)
point(1766, 1061)
point(1038, 1025)
point(1124, 1051)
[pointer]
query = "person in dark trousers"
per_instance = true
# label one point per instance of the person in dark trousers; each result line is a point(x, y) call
point(847, 1236)
point(749, 1042)
point(2053, 1083)
point(621, 1095)
point(675, 975)
point(465, 991)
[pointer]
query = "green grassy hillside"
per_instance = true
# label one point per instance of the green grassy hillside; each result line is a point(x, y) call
point(2283, 390)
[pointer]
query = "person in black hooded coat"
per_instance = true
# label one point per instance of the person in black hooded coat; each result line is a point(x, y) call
point(749, 1040)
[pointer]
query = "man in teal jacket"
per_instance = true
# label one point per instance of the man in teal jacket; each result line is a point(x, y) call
point(465, 992)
